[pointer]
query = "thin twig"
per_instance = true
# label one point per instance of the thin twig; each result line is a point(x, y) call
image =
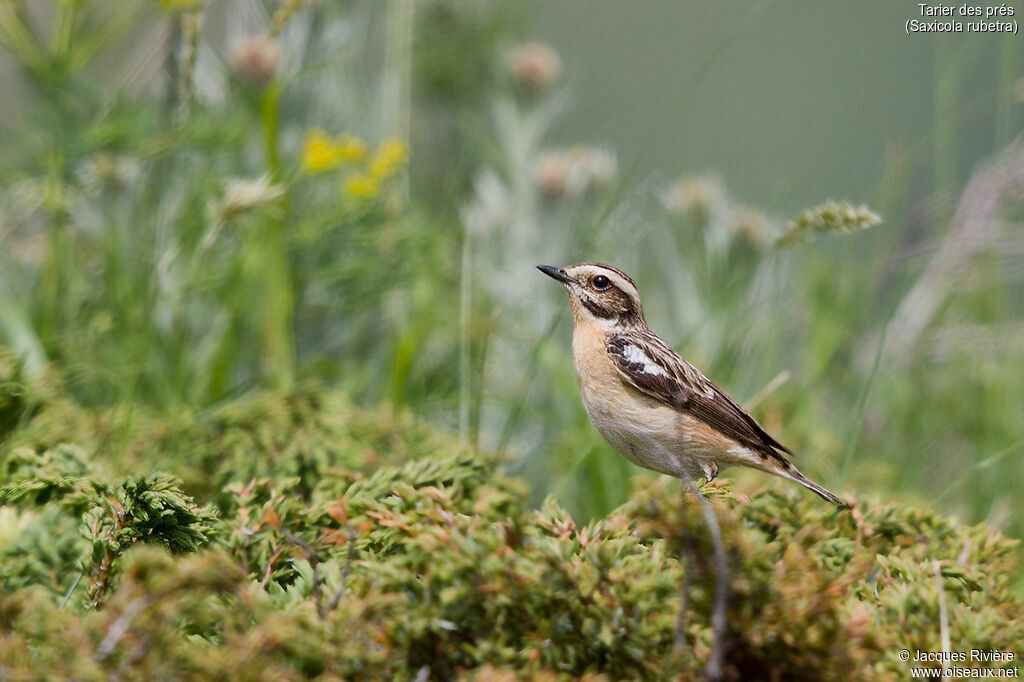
point(943, 617)
point(308, 548)
point(314, 563)
point(714, 671)
point(336, 597)
point(687, 558)
point(101, 575)
point(138, 653)
point(270, 567)
point(315, 591)
point(119, 627)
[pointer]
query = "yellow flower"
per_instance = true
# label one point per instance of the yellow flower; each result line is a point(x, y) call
point(319, 152)
point(389, 158)
point(351, 148)
point(362, 187)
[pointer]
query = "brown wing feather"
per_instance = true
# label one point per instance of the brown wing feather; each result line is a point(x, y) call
point(662, 384)
point(658, 371)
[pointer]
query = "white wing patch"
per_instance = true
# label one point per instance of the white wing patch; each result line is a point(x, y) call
point(634, 354)
point(710, 393)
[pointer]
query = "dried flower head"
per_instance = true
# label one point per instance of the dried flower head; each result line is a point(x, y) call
point(832, 216)
point(751, 227)
point(696, 197)
point(551, 172)
point(242, 194)
point(256, 58)
point(534, 66)
point(573, 171)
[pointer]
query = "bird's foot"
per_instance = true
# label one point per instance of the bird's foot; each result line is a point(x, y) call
point(710, 471)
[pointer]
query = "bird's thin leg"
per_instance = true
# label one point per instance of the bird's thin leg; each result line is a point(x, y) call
point(718, 614)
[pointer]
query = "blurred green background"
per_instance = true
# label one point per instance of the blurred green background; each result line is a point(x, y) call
point(789, 101)
point(201, 200)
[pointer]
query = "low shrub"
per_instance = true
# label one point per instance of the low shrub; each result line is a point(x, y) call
point(293, 535)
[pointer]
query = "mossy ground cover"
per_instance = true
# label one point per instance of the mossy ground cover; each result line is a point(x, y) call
point(292, 535)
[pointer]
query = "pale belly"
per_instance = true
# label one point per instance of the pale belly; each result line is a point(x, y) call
point(644, 430)
point(641, 429)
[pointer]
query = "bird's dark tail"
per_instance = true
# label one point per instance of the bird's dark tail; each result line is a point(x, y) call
point(792, 474)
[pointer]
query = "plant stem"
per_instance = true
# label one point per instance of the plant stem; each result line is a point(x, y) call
point(191, 23)
point(465, 296)
point(63, 25)
point(57, 262)
point(278, 347)
point(1006, 101)
point(397, 81)
point(270, 120)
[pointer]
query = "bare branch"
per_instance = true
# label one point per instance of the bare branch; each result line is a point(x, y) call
point(943, 617)
point(119, 627)
point(714, 669)
point(687, 558)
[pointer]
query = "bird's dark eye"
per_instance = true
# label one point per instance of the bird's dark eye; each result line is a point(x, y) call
point(601, 283)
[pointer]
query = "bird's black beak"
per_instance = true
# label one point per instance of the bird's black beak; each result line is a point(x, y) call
point(556, 273)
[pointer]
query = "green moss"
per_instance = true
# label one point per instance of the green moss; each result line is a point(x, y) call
point(352, 543)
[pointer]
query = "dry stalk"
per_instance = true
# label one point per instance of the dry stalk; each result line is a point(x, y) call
point(976, 216)
point(714, 669)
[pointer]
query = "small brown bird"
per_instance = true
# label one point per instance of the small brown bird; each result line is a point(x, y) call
point(652, 406)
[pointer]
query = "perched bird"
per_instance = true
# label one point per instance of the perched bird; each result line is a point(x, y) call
point(652, 406)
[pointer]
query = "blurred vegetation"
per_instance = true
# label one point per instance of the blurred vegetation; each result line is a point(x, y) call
point(349, 543)
point(207, 209)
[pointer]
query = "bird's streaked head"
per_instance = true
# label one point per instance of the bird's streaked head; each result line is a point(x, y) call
point(599, 293)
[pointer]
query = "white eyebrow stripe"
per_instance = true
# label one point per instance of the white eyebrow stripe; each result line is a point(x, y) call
point(634, 354)
point(626, 287)
point(622, 283)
